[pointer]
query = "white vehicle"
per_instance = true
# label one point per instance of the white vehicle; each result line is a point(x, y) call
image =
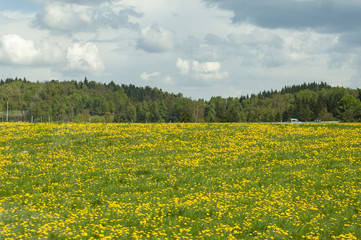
point(293, 120)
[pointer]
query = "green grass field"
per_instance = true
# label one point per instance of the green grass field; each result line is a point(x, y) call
point(180, 181)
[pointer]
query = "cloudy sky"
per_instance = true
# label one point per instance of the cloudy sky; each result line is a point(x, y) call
point(201, 48)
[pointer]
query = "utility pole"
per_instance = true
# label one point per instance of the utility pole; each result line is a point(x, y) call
point(7, 109)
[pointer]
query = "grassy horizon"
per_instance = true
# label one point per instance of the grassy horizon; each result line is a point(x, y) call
point(173, 181)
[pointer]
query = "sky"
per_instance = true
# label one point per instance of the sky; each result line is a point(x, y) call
point(200, 48)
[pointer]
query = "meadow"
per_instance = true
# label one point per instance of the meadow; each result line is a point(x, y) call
point(180, 181)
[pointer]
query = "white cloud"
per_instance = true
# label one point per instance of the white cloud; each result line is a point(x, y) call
point(19, 51)
point(156, 77)
point(206, 67)
point(148, 76)
point(68, 39)
point(156, 39)
point(201, 70)
point(208, 70)
point(63, 17)
point(84, 57)
point(183, 66)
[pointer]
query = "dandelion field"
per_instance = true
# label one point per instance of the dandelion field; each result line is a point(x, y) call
point(180, 181)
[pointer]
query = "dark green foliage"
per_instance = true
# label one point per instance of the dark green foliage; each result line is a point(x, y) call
point(21, 100)
point(310, 86)
point(350, 108)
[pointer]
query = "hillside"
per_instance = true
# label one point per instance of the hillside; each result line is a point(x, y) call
point(21, 100)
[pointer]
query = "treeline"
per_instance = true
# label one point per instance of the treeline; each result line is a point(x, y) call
point(22, 100)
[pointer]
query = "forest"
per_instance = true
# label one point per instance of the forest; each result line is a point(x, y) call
point(90, 101)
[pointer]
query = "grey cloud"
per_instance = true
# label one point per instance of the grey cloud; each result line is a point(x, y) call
point(256, 48)
point(346, 51)
point(82, 2)
point(78, 18)
point(213, 39)
point(351, 39)
point(324, 16)
point(86, 2)
point(116, 19)
point(256, 39)
point(210, 48)
point(336, 21)
point(155, 39)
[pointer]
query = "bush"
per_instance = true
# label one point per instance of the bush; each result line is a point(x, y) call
point(97, 119)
